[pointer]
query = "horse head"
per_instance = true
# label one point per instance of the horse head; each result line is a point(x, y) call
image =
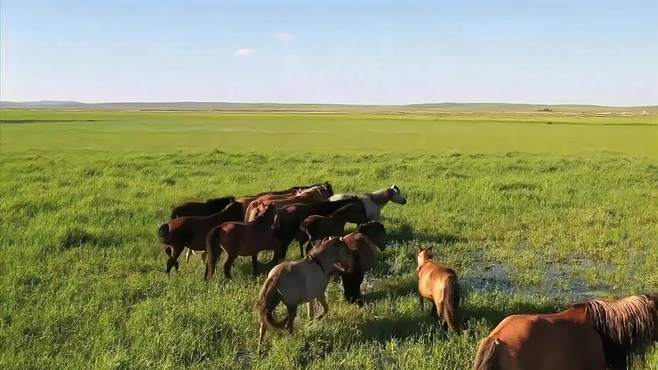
point(332, 254)
point(375, 231)
point(424, 255)
point(396, 196)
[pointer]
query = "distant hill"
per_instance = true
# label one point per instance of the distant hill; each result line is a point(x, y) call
point(410, 108)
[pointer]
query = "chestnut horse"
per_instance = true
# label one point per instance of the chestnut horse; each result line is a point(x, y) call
point(191, 232)
point(375, 201)
point(298, 282)
point(242, 239)
point(312, 195)
point(592, 335)
point(438, 283)
point(247, 199)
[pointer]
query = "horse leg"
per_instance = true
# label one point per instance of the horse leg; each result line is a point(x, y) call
point(211, 262)
point(325, 307)
point(227, 266)
point(188, 254)
point(439, 314)
point(311, 309)
point(433, 310)
point(172, 261)
point(254, 265)
point(421, 301)
point(292, 312)
point(203, 256)
point(261, 335)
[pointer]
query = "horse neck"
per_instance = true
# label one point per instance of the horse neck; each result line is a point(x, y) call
point(380, 197)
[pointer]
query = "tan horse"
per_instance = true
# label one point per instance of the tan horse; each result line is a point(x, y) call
point(312, 195)
point(593, 335)
point(298, 282)
point(438, 284)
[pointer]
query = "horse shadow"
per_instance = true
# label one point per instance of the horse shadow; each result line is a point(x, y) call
point(405, 233)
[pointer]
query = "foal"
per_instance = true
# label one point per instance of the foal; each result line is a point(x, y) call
point(438, 284)
point(242, 239)
point(298, 282)
point(365, 244)
point(191, 232)
point(593, 335)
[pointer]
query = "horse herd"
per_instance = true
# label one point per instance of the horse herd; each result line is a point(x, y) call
point(593, 335)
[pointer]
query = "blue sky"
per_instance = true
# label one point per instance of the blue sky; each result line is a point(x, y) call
point(379, 52)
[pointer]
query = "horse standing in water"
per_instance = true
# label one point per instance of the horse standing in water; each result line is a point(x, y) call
point(375, 201)
point(593, 335)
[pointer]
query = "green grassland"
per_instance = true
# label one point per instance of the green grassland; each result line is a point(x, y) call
point(532, 216)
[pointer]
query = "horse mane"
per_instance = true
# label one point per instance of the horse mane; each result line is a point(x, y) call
point(627, 327)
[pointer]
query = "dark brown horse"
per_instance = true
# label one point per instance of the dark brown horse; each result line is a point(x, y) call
point(365, 244)
point(242, 239)
point(202, 209)
point(191, 232)
point(319, 227)
point(593, 335)
point(289, 218)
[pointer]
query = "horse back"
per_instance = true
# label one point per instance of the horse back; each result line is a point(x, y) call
point(547, 342)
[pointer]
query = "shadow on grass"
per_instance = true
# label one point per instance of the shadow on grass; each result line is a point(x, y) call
point(406, 233)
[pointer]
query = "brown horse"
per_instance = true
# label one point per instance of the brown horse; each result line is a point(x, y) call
point(312, 195)
point(298, 282)
point(247, 199)
point(317, 227)
point(201, 209)
point(191, 232)
point(365, 245)
point(438, 284)
point(593, 335)
point(242, 239)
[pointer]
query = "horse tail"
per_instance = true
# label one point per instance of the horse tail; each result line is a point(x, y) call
point(268, 298)
point(163, 233)
point(451, 303)
point(213, 250)
point(486, 356)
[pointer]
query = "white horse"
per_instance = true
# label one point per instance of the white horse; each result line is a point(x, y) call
point(375, 201)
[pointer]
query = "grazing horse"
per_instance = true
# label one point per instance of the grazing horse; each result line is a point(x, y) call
point(375, 201)
point(312, 195)
point(242, 239)
point(290, 216)
point(191, 232)
point(438, 284)
point(365, 245)
point(201, 209)
point(316, 227)
point(592, 335)
point(298, 282)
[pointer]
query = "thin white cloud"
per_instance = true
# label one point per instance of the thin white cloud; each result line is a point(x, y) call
point(243, 52)
point(284, 36)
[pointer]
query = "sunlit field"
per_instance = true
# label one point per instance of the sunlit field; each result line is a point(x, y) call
point(533, 211)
